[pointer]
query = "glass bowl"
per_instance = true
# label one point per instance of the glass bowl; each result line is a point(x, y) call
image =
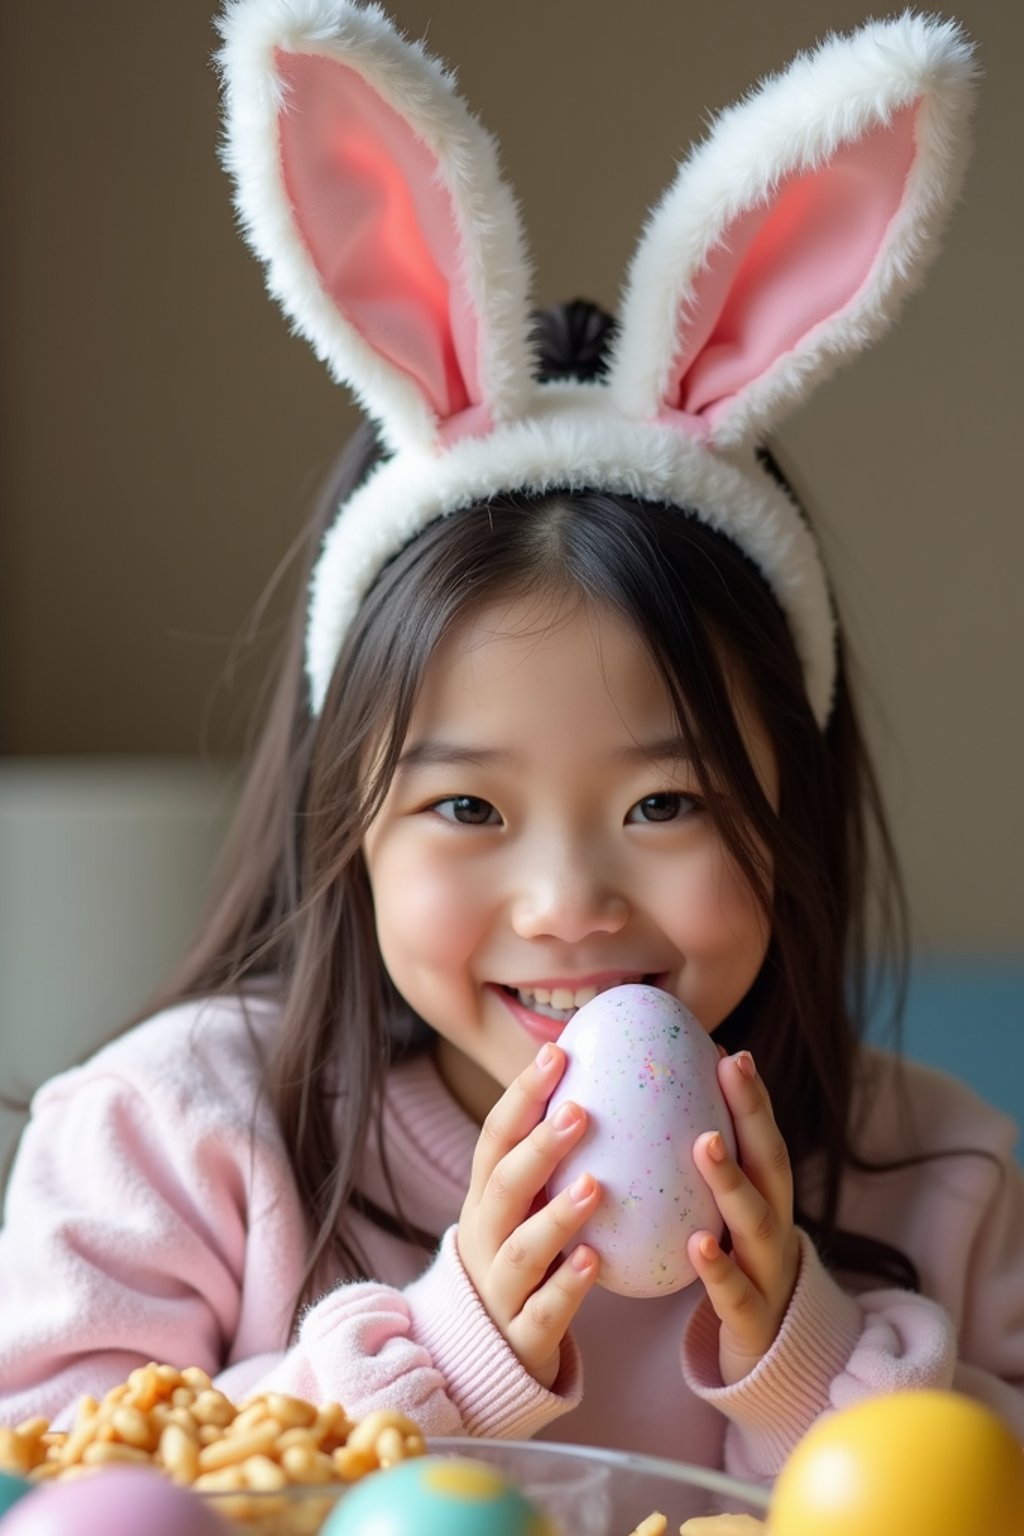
point(594, 1492)
point(584, 1491)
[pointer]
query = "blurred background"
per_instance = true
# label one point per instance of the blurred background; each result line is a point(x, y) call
point(164, 437)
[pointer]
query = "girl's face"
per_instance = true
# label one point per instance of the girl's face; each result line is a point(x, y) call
point(543, 840)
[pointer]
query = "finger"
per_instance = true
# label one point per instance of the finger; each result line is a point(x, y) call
point(537, 1332)
point(762, 1148)
point(515, 1114)
point(527, 1254)
point(755, 1227)
point(731, 1292)
point(515, 1183)
point(737, 1303)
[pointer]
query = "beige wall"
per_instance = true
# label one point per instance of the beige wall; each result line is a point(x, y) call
point(163, 434)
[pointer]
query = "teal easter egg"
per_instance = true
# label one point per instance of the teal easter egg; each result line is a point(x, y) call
point(12, 1489)
point(436, 1496)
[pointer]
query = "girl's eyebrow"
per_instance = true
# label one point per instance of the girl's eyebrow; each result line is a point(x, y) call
point(669, 749)
point(436, 752)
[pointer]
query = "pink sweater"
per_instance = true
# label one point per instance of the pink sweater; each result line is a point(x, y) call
point(151, 1214)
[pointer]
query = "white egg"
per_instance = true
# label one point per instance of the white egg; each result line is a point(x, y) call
point(646, 1073)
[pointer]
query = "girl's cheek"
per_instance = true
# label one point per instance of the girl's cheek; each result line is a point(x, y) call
point(714, 904)
point(434, 911)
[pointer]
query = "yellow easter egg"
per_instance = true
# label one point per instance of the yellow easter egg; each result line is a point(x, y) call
point(907, 1464)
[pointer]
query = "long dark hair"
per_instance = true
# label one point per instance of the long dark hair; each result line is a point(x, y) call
point(293, 904)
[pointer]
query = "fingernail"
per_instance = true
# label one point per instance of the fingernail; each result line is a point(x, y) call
point(709, 1249)
point(745, 1062)
point(582, 1260)
point(565, 1117)
point(581, 1189)
point(545, 1057)
point(716, 1148)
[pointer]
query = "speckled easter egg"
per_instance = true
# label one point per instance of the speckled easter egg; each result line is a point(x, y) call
point(646, 1073)
point(436, 1496)
point(114, 1501)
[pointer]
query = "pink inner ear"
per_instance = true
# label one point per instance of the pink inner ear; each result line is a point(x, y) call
point(783, 268)
point(379, 226)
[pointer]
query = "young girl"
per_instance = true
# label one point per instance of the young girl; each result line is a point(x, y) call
point(569, 709)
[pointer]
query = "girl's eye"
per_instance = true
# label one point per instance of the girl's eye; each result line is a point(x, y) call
point(664, 807)
point(467, 810)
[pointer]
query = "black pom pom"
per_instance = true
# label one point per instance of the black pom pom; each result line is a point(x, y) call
point(572, 340)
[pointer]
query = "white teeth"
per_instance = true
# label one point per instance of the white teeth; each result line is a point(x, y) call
point(563, 1000)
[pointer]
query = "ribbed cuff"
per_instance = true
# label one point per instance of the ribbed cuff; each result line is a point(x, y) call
point(775, 1404)
point(492, 1390)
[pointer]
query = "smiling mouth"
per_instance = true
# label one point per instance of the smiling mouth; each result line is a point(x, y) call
point(560, 1003)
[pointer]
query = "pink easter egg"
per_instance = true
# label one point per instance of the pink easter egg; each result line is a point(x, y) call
point(113, 1501)
point(646, 1073)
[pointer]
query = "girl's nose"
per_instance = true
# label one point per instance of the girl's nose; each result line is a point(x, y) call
point(567, 898)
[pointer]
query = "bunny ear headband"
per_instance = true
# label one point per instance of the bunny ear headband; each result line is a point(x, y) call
point(783, 246)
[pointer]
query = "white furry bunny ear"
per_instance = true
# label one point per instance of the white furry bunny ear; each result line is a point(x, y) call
point(374, 198)
point(790, 236)
point(784, 246)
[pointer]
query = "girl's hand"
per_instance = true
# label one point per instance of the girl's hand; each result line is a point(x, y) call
point(750, 1288)
point(509, 1239)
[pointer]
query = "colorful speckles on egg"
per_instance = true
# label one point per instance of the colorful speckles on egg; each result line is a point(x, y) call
point(659, 1071)
point(646, 1072)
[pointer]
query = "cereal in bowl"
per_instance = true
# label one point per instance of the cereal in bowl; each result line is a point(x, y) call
point(241, 1455)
